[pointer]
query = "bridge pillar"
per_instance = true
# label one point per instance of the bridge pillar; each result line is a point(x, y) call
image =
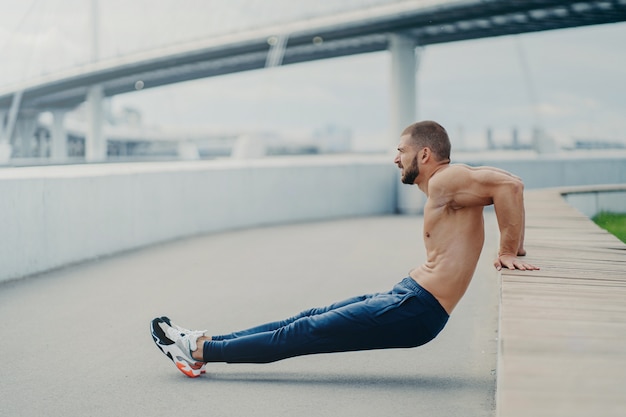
point(277, 50)
point(95, 143)
point(43, 144)
point(6, 131)
point(25, 128)
point(58, 135)
point(3, 117)
point(403, 109)
point(5, 143)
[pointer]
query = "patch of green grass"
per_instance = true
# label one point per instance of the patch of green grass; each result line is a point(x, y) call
point(614, 223)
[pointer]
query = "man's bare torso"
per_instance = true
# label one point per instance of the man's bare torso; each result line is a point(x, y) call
point(454, 238)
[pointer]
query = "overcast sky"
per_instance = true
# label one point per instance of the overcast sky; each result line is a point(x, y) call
point(574, 86)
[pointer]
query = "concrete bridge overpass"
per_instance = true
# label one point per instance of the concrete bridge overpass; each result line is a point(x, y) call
point(398, 27)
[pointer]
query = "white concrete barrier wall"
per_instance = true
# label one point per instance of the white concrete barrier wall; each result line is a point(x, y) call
point(558, 171)
point(54, 216)
point(593, 200)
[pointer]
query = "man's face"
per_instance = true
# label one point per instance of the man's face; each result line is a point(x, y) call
point(406, 160)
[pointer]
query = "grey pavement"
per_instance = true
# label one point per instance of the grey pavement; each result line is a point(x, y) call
point(76, 341)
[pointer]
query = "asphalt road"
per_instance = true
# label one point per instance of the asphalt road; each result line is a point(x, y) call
point(76, 341)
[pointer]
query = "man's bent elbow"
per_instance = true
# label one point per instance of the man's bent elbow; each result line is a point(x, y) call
point(517, 186)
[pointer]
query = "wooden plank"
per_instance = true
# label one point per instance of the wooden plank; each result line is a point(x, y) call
point(562, 335)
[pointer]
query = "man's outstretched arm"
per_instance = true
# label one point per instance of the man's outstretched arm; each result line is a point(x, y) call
point(464, 186)
point(508, 201)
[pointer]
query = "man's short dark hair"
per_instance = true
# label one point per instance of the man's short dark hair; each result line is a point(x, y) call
point(431, 135)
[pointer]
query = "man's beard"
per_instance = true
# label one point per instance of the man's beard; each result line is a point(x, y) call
point(411, 173)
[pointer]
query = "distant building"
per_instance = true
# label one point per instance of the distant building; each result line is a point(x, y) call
point(598, 144)
point(333, 139)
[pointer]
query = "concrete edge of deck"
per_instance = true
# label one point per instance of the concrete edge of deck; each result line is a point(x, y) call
point(562, 330)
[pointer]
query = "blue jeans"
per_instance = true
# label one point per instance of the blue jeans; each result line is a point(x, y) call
point(406, 316)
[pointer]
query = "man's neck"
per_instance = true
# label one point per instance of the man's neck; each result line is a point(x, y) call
point(427, 172)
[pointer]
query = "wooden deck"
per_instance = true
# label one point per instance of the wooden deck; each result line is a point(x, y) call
point(562, 349)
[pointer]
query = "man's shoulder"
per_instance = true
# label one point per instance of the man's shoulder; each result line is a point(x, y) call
point(459, 186)
point(447, 182)
point(450, 173)
point(460, 167)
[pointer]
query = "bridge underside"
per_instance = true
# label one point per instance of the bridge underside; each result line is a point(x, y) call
point(320, 39)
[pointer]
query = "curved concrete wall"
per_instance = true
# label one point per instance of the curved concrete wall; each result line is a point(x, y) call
point(549, 171)
point(58, 215)
point(593, 200)
point(53, 216)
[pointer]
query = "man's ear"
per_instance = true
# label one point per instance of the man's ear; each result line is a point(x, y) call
point(426, 153)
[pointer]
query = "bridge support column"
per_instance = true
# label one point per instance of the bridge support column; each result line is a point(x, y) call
point(277, 50)
point(6, 130)
point(58, 135)
point(25, 128)
point(3, 118)
point(5, 143)
point(403, 109)
point(43, 144)
point(95, 143)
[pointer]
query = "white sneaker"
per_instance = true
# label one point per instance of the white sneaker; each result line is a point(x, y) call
point(177, 345)
point(193, 334)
